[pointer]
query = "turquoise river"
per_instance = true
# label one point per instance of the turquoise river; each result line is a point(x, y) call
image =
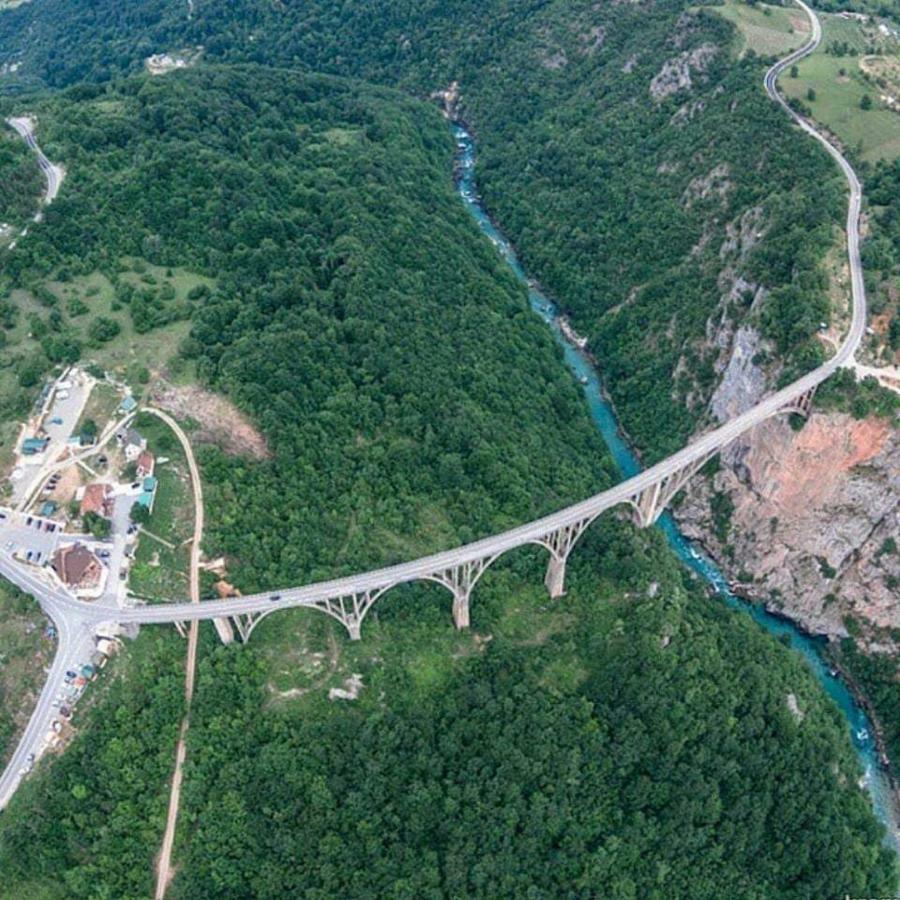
point(861, 732)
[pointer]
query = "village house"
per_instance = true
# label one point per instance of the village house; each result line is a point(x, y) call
point(80, 570)
point(96, 498)
point(132, 442)
point(146, 463)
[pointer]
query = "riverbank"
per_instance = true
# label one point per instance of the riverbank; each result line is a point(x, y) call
point(585, 370)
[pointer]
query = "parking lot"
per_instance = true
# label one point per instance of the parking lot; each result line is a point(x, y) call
point(66, 405)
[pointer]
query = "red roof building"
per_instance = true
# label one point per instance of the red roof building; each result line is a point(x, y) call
point(146, 462)
point(97, 499)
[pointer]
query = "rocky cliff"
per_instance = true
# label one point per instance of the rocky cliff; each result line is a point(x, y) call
point(809, 520)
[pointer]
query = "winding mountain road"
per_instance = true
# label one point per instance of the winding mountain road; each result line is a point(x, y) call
point(53, 174)
point(70, 613)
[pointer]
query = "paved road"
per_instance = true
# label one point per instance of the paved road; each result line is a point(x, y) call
point(75, 643)
point(66, 609)
point(52, 173)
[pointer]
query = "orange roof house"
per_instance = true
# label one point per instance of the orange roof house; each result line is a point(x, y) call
point(146, 462)
point(97, 499)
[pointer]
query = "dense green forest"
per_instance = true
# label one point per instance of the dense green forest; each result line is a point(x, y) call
point(621, 152)
point(670, 714)
point(21, 183)
point(87, 823)
point(408, 396)
point(634, 739)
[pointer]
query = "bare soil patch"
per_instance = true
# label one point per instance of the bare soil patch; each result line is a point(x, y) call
point(220, 421)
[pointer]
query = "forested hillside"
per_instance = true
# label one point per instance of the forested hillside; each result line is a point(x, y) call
point(633, 739)
point(21, 183)
point(636, 738)
point(620, 150)
point(409, 398)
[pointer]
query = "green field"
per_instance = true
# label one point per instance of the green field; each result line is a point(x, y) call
point(766, 30)
point(62, 311)
point(162, 562)
point(409, 637)
point(839, 85)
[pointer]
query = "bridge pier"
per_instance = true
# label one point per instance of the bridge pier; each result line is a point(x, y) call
point(560, 544)
point(459, 581)
point(650, 503)
point(224, 630)
point(461, 610)
point(555, 579)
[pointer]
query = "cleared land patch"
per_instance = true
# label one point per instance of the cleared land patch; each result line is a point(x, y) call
point(220, 421)
point(767, 30)
point(833, 82)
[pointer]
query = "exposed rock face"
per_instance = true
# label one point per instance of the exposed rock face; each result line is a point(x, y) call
point(743, 382)
point(714, 184)
point(675, 75)
point(814, 512)
point(593, 40)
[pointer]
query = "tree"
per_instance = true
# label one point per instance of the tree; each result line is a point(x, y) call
point(97, 525)
point(794, 71)
point(88, 432)
point(810, 94)
point(103, 329)
point(140, 514)
point(865, 102)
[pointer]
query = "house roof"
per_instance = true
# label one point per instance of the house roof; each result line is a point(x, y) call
point(96, 499)
point(74, 562)
point(134, 437)
point(146, 461)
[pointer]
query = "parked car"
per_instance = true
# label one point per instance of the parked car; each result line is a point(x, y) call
point(56, 420)
point(275, 597)
point(29, 520)
point(70, 675)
